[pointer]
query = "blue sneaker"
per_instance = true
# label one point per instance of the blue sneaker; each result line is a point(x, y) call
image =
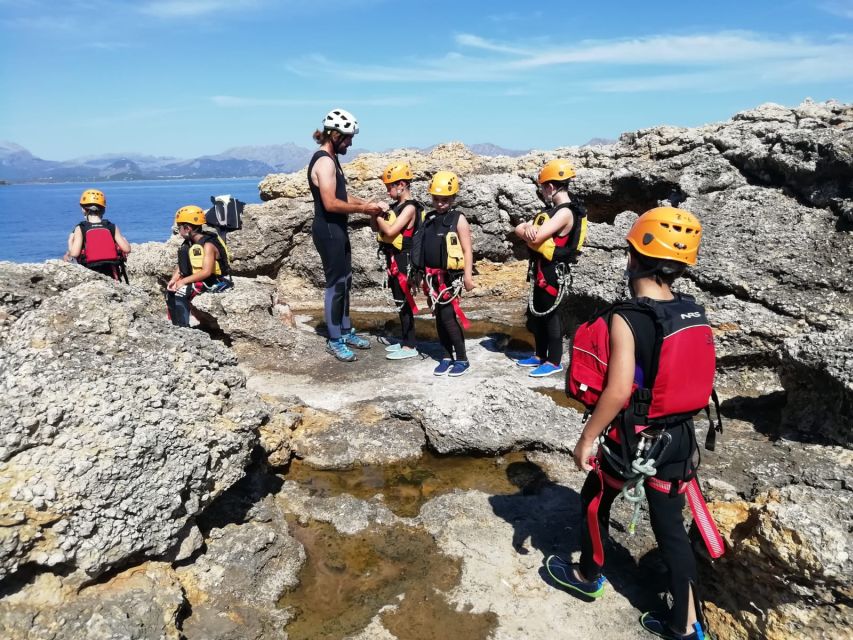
point(443, 367)
point(654, 623)
point(393, 347)
point(355, 341)
point(564, 573)
point(545, 369)
point(340, 350)
point(460, 367)
point(532, 361)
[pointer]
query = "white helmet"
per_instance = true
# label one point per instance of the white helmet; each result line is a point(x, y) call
point(340, 120)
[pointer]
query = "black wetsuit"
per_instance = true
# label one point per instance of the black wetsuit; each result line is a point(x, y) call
point(548, 330)
point(401, 257)
point(450, 333)
point(331, 237)
point(665, 511)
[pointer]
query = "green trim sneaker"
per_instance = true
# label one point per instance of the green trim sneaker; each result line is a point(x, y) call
point(655, 623)
point(564, 573)
point(354, 340)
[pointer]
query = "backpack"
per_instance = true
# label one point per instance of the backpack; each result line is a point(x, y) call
point(683, 349)
point(225, 215)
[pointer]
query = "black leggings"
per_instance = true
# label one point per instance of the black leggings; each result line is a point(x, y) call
point(449, 330)
point(407, 316)
point(665, 513)
point(547, 330)
point(333, 245)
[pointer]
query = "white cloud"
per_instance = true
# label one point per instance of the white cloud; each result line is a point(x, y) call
point(719, 61)
point(194, 8)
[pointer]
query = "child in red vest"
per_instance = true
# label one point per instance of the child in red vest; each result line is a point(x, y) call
point(97, 243)
point(661, 244)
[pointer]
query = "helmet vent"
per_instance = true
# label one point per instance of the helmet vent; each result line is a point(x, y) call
point(680, 245)
point(648, 238)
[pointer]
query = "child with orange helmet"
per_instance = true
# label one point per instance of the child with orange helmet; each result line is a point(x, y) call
point(395, 230)
point(659, 373)
point(97, 243)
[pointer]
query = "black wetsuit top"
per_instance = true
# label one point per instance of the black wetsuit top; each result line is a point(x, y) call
point(321, 216)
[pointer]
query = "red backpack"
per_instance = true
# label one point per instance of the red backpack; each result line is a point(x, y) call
point(683, 366)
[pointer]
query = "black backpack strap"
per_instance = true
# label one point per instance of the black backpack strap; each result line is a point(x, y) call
point(713, 430)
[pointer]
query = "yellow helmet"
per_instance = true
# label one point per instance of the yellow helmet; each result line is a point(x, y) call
point(557, 171)
point(397, 171)
point(667, 233)
point(93, 196)
point(444, 183)
point(190, 214)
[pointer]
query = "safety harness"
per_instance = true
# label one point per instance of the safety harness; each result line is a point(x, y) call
point(562, 251)
point(638, 438)
point(389, 247)
point(438, 292)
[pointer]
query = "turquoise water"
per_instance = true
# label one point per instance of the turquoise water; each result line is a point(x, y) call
point(39, 217)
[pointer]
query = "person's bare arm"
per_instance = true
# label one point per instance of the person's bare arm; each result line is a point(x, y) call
point(402, 222)
point(561, 221)
point(122, 242)
point(75, 244)
point(324, 178)
point(620, 381)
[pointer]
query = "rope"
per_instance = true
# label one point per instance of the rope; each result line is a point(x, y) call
point(455, 287)
point(564, 282)
point(386, 289)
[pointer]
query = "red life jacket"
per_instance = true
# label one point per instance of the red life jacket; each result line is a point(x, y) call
point(99, 243)
point(683, 362)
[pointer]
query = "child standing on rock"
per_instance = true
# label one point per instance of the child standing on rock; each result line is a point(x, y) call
point(443, 248)
point(659, 373)
point(396, 228)
point(554, 237)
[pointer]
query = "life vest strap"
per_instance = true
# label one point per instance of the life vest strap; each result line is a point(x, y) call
point(445, 292)
point(394, 272)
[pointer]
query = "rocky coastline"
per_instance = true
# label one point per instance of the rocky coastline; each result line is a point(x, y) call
point(146, 486)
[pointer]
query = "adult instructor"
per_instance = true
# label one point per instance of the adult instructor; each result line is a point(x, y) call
point(332, 206)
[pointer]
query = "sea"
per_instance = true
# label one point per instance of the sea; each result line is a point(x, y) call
point(39, 217)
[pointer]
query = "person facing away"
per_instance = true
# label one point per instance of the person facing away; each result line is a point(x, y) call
point(203, 265)
point(661, 244)
point(332, 206)
point(396, 228)
point(554, 238)
point(97, 243)
point(448, 267)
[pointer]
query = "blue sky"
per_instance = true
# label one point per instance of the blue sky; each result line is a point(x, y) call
point(192, 77)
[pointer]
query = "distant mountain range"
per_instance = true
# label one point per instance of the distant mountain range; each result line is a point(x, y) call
point(17, 164)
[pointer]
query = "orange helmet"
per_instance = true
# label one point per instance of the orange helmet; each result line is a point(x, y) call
point(667, 233)
point(557, 170)
point(444, 183)
point(93, 196)
point(397, 171)
point(190, 214)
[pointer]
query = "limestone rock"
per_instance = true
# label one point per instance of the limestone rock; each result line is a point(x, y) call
point(247, 312)
point(817, 372)
point(116, 429)
point(792, 546)
point(358, 436)
point(142, 603)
